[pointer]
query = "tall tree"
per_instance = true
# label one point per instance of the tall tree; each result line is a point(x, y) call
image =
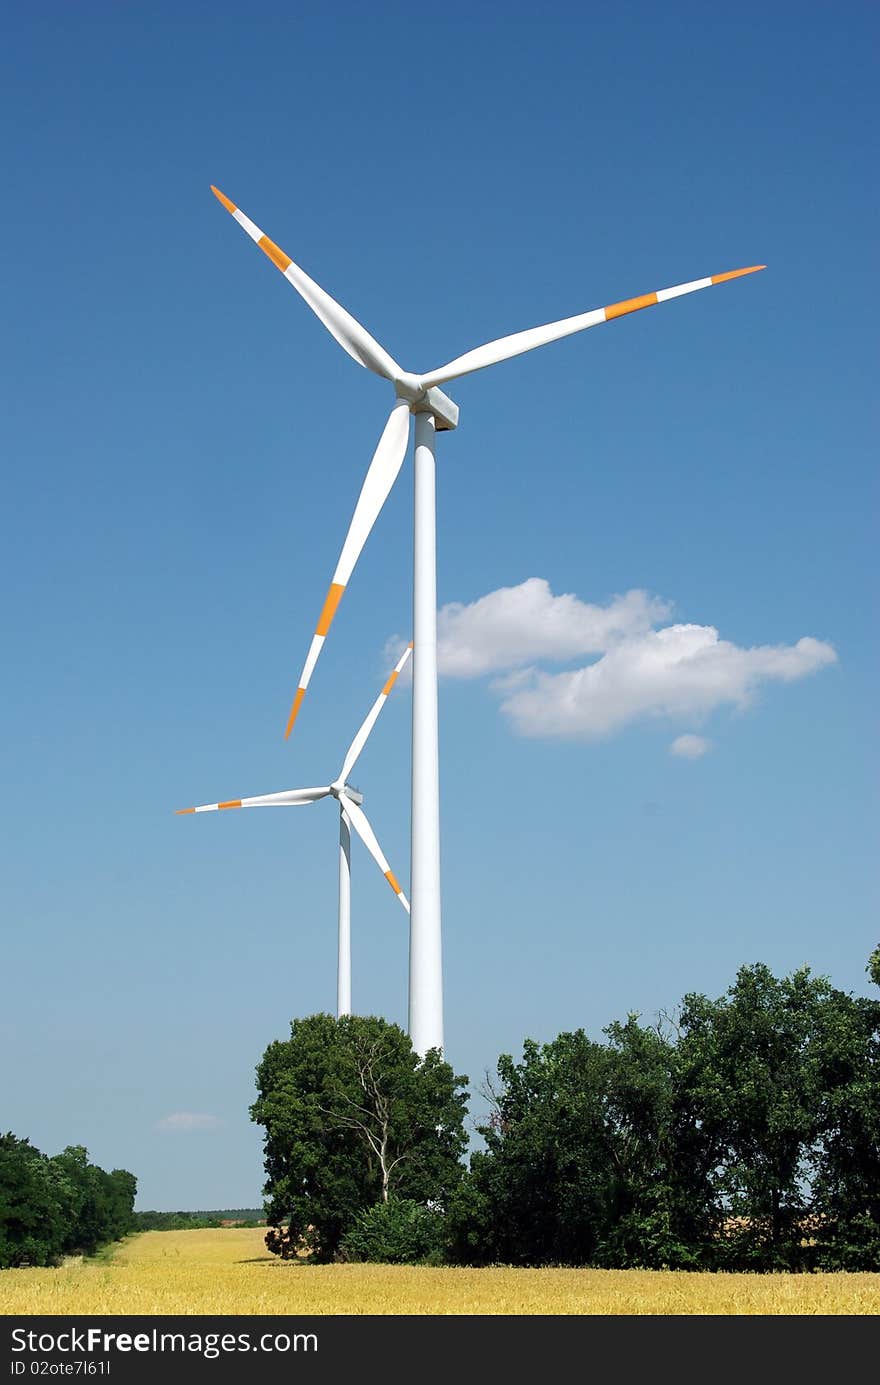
point(743, 1059)
point(845, 1054)
point(121, 1192)
point(743, 1135)
point(581, 1165)
point(351, 1116)
point(539, 1192)
point(59, 1206)
point(89, 1220)
point(34, 1198)
point(661, 1210)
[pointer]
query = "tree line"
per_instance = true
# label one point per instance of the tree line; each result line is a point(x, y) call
point(63, 1205)
point(197, 1221)
point(741, 1133)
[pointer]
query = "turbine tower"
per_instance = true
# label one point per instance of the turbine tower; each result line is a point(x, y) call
point(350, 812)
point(434, 411)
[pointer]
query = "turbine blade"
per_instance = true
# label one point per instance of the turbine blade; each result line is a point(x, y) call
point(360, 739)
point(352, 337)
point(359, 822)
point(380, 477)
point(290, 798)
point(506, 347)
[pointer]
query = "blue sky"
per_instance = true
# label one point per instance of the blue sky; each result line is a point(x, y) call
point(184, 445)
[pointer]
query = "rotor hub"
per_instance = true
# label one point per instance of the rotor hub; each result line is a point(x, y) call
point(409, 388)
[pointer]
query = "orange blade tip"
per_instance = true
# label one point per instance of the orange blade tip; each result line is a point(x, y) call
point(178, 811)
point(736, 273)
point(294, 711)
point(230, 206)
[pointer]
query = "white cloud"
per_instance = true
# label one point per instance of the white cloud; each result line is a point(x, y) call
point(689, 747)
point(515, 626)
point(189, 1122)
point(679, 671)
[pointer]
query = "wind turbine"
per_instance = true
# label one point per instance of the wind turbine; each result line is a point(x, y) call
point(350, 813)
point(434, 411)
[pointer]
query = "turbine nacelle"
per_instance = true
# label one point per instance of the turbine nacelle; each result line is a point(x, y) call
point(444, 409)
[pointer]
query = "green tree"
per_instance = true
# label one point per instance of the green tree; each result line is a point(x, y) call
point(744, 1060)
point(539, 1192)
point(784, 1076)
point(34, 1198)
point(581, 1162)
point(58, 1206)
point(352, 1116)
point(87, 1210)
point(845, 1053)
point(121, 1193)
point(99, 1206)
point(659, 1214)
point(743, 1135)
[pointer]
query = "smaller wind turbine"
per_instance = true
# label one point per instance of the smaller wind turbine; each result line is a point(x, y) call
point(350, 814)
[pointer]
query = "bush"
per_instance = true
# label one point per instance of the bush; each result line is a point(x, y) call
point(396, 1232)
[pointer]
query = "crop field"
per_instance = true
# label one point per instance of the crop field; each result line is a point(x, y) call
point(230, 1271)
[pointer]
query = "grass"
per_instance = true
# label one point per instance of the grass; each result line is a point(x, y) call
point(230, 1271)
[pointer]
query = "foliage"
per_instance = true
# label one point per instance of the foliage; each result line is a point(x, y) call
point(580, 1162)
point(745, 1061)
point(58, 1206)
point(397, 1232)
point(743, 1136)
point(846, 1162)
point(99, 1206)
point(193, 1221)
point(351, 1116)
point(33, 1206)
point(535, 1195)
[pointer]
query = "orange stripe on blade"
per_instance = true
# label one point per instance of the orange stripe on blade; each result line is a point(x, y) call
point(179, 811)
point(230, 206)
point(736, 273)
point(390, 684)
point(630, 305)
point(334, 596)
point(233, 803)
point(275, 253)
point(294, 711)
point(390, 877)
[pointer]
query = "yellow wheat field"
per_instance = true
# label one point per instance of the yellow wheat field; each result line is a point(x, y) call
point(230, 1271)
